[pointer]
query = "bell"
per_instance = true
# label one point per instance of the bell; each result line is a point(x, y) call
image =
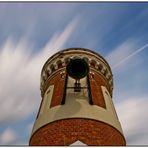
point(77, 68)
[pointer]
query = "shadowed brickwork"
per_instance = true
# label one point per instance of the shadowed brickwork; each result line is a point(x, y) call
point(96, 81)
point(67, 131)
point(58, 83)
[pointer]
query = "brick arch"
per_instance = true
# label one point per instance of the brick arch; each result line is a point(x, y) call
point(93, 63)
point(59, 63)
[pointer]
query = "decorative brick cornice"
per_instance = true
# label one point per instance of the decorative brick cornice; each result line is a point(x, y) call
point(59, 61)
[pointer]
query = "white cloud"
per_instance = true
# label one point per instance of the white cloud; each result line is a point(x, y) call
point(130, 78)
point(133, 117)
point(59, 39)
point(7, 137)
point(20, 74)
point(120, 52)
point(131, 55)
point(124, 52)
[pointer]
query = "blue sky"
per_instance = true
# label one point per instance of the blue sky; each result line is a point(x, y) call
point(31, 32)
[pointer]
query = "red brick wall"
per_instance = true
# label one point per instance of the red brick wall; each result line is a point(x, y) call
point(67, 131)
point(58, 83)
point(96, 81)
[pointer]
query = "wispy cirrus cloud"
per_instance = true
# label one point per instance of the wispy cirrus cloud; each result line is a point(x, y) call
point(129, 92)
point(20, 78)
point(130, 56)
point(37, 21)
point(121, 52)
point(20, 74)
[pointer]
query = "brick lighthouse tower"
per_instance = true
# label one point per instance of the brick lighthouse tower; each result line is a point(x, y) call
point(76, 89)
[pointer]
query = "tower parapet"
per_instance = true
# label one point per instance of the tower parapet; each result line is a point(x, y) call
point(76, 104)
